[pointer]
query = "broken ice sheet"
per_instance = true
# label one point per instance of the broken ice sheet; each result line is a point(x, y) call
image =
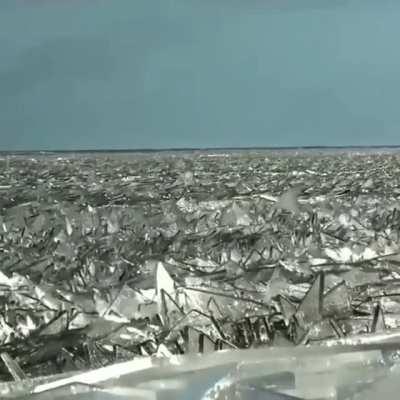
point(356, 277)
point(337, 301)
point(310, 309)
point(58, 324)
point(164, 282)
point(38, 224)
point(280, 284)
point(187, 205)
point(157, 220)
point(197, 341)
point(113, 223)
point(185, 179)
point(128, 336)
point(288, 201)
point(235, 215)
point(276, 284)
point(13, 368)
point(126, 303)
point(322, 330)
point(288, 309)
point(378, 323)
point(6, 331)
point(350, 255)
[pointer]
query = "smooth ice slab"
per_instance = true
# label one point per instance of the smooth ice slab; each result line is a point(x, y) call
point(304, 372)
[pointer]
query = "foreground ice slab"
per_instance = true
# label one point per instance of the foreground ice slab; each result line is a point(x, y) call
point(306, 372)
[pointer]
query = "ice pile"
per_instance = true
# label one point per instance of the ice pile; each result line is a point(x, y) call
point(105, 259)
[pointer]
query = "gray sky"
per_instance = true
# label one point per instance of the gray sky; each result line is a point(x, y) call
point(198, 73)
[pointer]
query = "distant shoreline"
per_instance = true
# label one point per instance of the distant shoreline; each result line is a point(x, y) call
point(194, 149)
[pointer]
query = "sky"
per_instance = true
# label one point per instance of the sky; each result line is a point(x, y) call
point(123, 74)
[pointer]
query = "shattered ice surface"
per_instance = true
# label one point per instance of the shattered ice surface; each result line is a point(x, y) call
point(108, 258)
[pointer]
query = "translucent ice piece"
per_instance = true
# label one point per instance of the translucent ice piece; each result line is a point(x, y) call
point(289, 200)
point(235, 215)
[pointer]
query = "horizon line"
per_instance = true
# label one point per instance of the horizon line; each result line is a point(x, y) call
point(185, 149)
